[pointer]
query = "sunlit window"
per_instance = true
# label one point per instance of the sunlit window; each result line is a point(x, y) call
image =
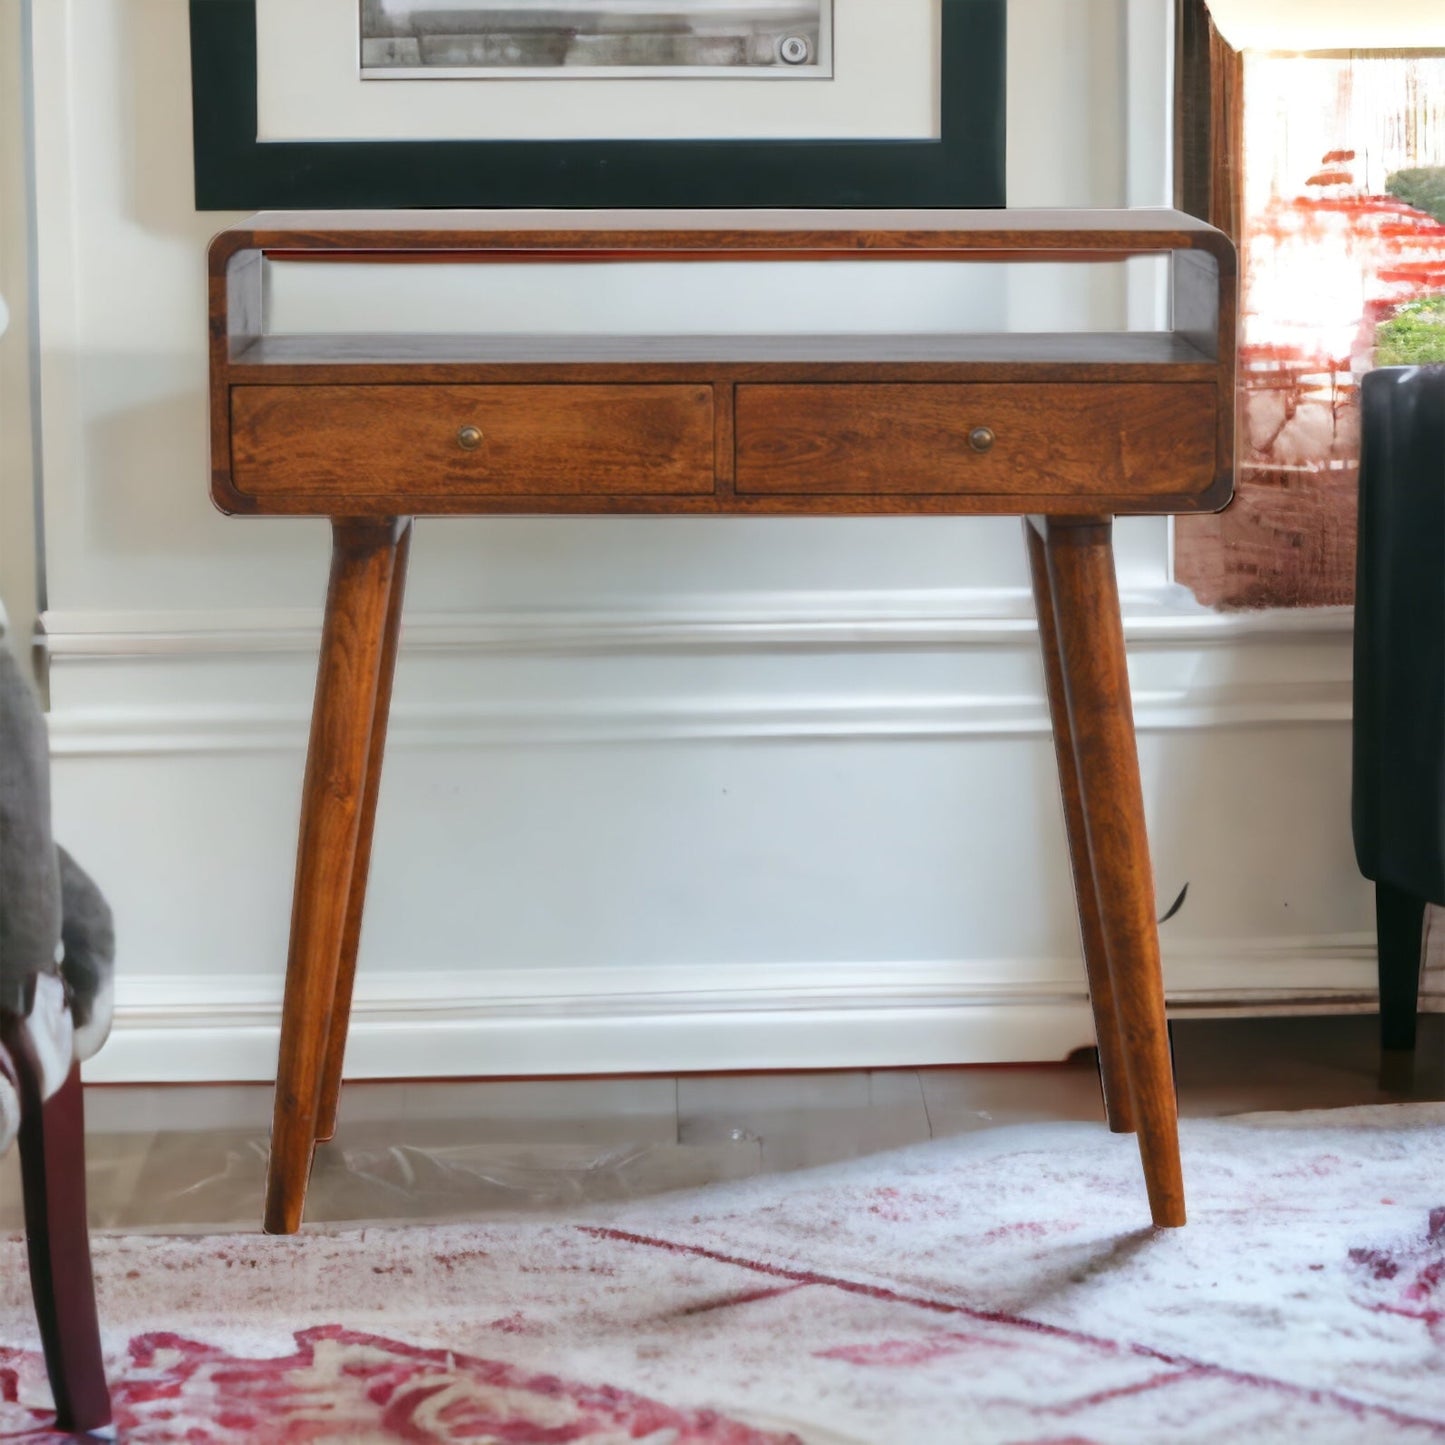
point(1344, 232)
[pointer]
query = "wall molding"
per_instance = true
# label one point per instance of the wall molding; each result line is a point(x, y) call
point(166, 729)
point(843, 620)
point(185, 685)
point(518, 1021)
point(1313, 689)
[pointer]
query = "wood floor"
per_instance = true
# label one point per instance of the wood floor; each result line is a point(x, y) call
point(193, 1159)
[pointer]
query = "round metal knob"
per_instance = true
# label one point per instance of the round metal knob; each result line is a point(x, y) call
point(469, 438)
point(981, 438)
point(793, 49)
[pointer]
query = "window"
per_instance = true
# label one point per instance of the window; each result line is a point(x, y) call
point(1341, 205)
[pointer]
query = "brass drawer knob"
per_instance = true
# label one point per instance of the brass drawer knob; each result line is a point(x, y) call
point(469, 438)
point(981, 438)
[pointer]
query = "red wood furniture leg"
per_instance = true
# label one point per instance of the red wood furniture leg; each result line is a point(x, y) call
point(1118, 1105)
point(52, 1175)
point(356, 901)
point(1101, 722)
point(353, 641)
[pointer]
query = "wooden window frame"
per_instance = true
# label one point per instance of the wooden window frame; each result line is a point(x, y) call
point(1209, 184)
point(1208, 120)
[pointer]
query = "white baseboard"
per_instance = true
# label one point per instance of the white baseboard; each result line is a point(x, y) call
point(518, 1022)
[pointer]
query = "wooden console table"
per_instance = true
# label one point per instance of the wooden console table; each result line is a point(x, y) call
point(1067, 430)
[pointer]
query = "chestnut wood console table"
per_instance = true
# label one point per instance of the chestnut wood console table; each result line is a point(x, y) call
point(1067, 430)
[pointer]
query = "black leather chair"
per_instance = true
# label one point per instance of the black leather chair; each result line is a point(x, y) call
point(1399, 737)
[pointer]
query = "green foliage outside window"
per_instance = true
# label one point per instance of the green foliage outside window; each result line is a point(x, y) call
point(1422, 187)
point(1414, 335)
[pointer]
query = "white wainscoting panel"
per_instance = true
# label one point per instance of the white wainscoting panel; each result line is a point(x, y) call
point(827, 835)
point(663, 793)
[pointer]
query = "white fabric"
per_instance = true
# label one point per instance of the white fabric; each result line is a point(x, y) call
point(52, 1035)
point(89, 1038)
point(1330, 24)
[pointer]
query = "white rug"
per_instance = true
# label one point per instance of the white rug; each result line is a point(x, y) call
point(997, 1287)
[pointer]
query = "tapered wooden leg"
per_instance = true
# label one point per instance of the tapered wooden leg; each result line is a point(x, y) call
point(1118, 1106)
point(1096, 682)
point(52, 1175)
point(356, 901)
point(358, 600)
point(1399, 922)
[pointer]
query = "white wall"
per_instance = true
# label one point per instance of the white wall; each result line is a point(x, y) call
point(19, 580)
point(663, 793)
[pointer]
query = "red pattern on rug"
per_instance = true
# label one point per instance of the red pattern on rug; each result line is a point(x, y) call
point(1000, 1288)
point(346, 1385)
point(1424, 1259)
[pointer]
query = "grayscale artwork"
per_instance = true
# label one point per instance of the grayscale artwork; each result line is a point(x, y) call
point(578, 39)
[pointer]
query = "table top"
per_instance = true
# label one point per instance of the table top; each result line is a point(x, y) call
point(1062, 424)
point(809, 232)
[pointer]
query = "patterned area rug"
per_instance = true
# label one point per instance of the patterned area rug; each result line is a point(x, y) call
point(998, 1287)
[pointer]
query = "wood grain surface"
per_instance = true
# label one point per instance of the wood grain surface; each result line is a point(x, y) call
point(358, 600)
point(334, 444)
point(318, 452)
point(331, 1073)
point(370, 429)
point(1088, 440)
point(1113, 1072)
point(792, 233)
point(936, 356)
point(1101, 719)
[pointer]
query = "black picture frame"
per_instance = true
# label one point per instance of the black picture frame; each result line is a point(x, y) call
point(963, 167)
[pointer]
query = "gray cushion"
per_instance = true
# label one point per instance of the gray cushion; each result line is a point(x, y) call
point(29, 866)
point(57, 939)
point(87, 934)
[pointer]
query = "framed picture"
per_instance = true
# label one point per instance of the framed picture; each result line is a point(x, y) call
point(501, 39)
point(333, 104)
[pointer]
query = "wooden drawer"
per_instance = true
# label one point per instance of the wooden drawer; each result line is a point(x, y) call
point(334, 444)
point(1018, 438)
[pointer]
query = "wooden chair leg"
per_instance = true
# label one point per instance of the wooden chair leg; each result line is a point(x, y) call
point(363, 561)
point(1118, 1106)
point(361, 868)
point(1096, 681)
point(52, 1175)
point(1399, 921)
